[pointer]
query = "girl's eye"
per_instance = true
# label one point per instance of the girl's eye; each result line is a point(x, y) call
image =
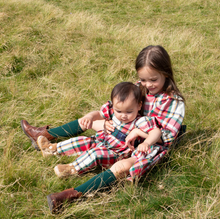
point(142, 80)
point(153, 80)
point(129, 112)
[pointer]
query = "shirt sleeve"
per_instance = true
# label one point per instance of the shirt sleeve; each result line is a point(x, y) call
point(146, 123)
point(169, 115)
point(107, 110)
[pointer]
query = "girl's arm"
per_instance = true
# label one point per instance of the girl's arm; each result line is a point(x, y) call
point(87, 120)
point(146, 128)
point(152, 137)
point(169, 115)
point(130, 139)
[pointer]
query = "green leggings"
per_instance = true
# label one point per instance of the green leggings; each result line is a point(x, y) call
point(102, 180)
point(67, 130)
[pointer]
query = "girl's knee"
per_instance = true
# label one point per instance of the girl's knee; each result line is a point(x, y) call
point(98, 125)
point(81, 126)
point(122, 167)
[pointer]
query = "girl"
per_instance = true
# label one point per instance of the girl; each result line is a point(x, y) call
point(105, 149)
point(164, 107)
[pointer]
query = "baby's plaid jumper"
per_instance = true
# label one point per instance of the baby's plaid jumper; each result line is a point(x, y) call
point(102, 149)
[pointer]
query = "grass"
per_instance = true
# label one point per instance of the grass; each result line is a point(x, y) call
point(60, 60)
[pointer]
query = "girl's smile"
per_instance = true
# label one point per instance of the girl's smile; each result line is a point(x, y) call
point(151, 79)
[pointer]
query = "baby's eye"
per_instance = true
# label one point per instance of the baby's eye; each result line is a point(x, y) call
point(118, 111)
point(129, 111)
point(153, 79)
point(143, 80)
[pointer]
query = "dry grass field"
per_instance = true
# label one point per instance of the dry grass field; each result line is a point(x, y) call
point(60, 60)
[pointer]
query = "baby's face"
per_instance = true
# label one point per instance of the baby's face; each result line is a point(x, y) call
point(126, 111)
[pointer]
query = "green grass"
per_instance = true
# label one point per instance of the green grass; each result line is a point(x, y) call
point(60, 60)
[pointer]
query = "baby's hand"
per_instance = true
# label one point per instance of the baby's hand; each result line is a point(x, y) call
point(143, 147)
point(130, 139)
point(86, 122)
point(108, 127)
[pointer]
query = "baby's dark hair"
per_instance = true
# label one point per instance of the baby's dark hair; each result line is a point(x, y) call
point(157, 57)
point(124, 89)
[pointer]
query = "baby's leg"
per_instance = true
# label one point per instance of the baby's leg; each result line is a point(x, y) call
point(46, 147)
point(89, 159)
point(75, 146)
point(96, 156)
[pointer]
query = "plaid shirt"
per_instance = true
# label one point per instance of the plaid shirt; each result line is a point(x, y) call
point(111, 141)
point(166, 113)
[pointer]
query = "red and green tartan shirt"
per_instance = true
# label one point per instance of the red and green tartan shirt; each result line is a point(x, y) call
point(113, 143)
point(167, 113)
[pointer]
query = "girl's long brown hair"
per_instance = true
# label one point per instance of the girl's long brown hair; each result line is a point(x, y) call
point(157, 57)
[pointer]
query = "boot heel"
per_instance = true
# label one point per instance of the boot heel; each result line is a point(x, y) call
point(56, 200)
point(54, 207)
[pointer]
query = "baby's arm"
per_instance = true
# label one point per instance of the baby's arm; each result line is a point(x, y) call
point(87, 120)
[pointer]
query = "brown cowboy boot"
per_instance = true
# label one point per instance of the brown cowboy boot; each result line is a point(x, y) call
point(56, 200)
point(46, 147)
point(34, 132)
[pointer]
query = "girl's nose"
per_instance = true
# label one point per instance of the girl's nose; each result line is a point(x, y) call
point(148, 84)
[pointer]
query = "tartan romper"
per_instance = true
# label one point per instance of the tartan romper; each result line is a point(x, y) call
point(166, 113)
point(102, 149)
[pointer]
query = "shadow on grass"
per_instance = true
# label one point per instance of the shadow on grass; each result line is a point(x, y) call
point(191, 143)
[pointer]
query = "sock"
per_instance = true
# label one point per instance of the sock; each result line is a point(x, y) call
point(101, 180)
point(68, 130)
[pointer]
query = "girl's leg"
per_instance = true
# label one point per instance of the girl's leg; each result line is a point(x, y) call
point(98, 125)
point(67, 130)
point(75, 146)
point(121, 168)
point(101, 180)
point(74, 128)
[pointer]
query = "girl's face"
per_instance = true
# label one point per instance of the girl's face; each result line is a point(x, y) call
point(151, 79)
point(126, 111)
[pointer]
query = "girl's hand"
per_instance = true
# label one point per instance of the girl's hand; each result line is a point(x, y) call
point(143, 147)
point(86, 122)
point(108, 127)
point(130, 139)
